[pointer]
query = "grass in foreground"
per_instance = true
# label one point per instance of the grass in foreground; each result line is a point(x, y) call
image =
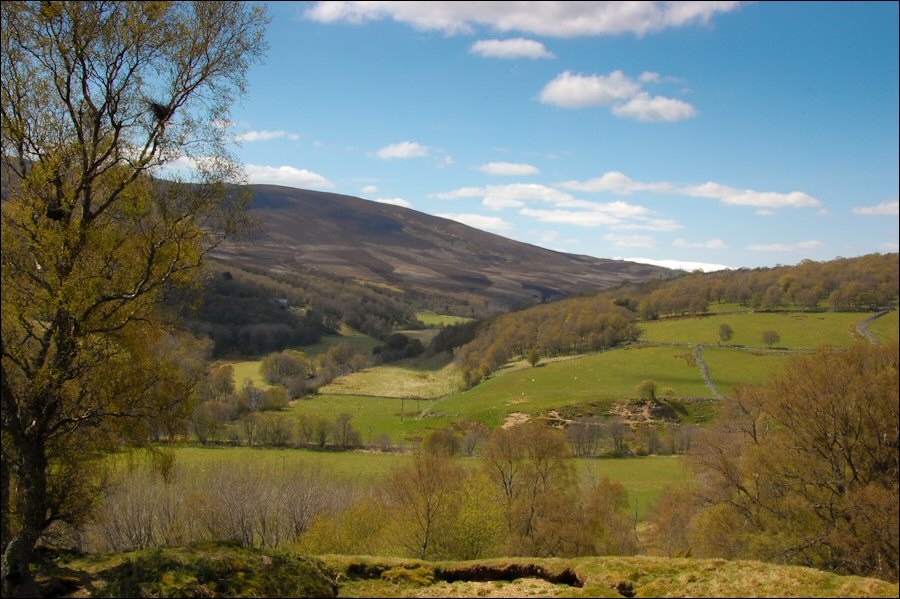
point(230, 571)
point(593, 577)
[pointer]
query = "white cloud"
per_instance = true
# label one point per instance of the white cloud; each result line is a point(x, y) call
point(251, 136)
point(369, 189)
point(581, 219)
point(889, 246)
point(657, 109)
point(479, 221)
point(631, 241)
point(509, 169)
point(615, 182)
point(285, 175)
point(498, 194)
point(766, 212)
point(891, 208)
point(402, 150)
point(800, 246)
point(512, 48)
point(618, 90)
point(650, 224)
point(394, 202)
point(558, 19)
point(679, 264)
point(650, 77)
point(580, 91)
point(712, 244)
point(749, 197)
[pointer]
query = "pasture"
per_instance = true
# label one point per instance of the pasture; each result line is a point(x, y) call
point(603, 377)
point(798, 330)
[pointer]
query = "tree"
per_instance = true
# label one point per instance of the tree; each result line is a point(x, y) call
point(96, 99)
point(725, 333)
point(806, 469)
point(770, 338)
point(647, 390)
point(533, 356)
point(423, 494)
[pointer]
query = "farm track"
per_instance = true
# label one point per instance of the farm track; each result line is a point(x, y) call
point(863, 327)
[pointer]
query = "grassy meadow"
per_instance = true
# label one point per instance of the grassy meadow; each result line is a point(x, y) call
point(430, 319)
point(643, 477)
point(605, 377)
point(798, 330)
point(886, 328)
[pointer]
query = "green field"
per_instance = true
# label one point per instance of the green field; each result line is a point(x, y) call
point(248, 369)
point(430, 319)
point(371, 416)
point(605, 377)
point(886, 328)
point(796, 329)
point(731, 367)
point(644, 478)
point(366, 466)
point(418, 377)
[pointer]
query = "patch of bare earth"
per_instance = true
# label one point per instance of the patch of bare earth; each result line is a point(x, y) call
point(523, 587)
point(515, 419)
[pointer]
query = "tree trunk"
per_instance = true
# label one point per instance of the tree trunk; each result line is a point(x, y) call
point(31, 479)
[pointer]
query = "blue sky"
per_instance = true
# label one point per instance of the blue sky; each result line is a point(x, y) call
point(713, 132)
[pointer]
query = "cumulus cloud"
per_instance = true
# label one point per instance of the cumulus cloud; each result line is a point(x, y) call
point(581, 219)
point(712, 244)
point(890, 208)
point(800, 246)
point(285, 175)
point(498, 194)
point(615, 182)
point(395, 202)
point(679, 264)
point(650, 77)
point(624, 94)
point(651, 224)
point(369, 189)
point(557, 19)
point(657, 109)
point(251, 136)
point(749, 197)
point(579, 91)
point(479, 221)
point(631, 241)
point(508, 169)
point(402, 150)
point(512, 48)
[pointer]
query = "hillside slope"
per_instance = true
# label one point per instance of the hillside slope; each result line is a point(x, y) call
point(360, 239)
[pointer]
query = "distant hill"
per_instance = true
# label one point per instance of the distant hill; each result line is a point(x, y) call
point(367, 241)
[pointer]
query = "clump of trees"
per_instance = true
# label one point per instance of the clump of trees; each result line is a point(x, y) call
point(572, 326)
point(803, 471)
point(863, 283)
point(240, 315)
point(525, 500)
point(396, 347)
